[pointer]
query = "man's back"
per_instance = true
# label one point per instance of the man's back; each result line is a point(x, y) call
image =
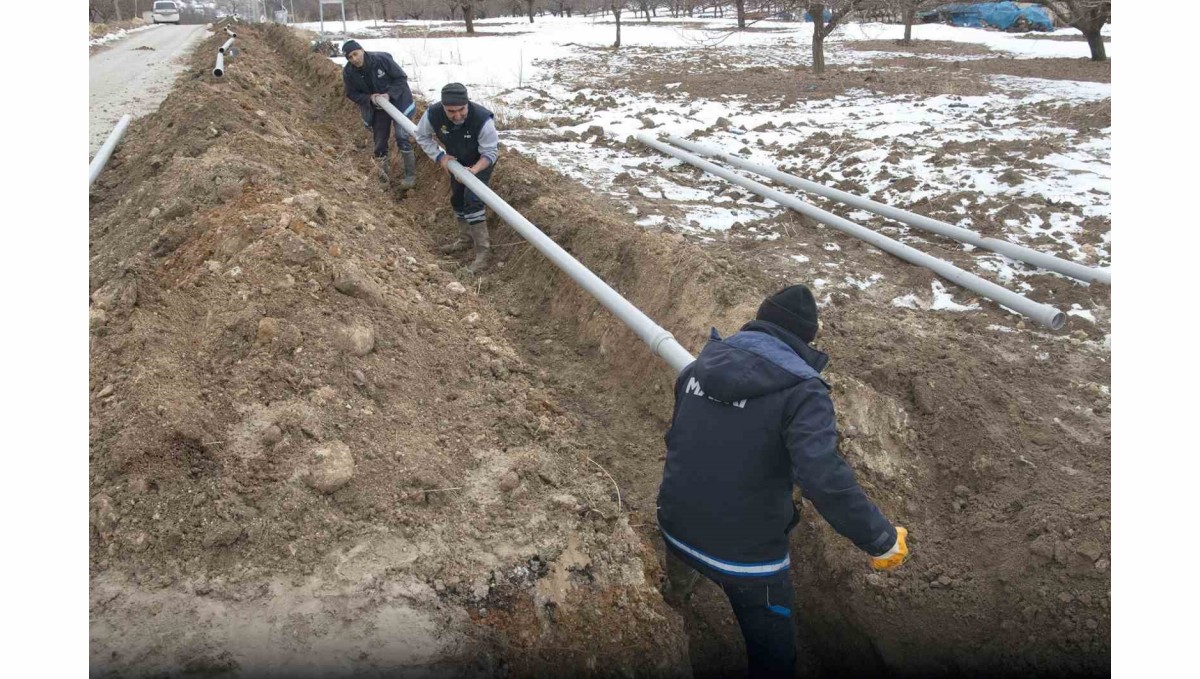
point(752, 416)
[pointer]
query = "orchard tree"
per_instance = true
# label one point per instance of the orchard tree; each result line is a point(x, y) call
point(615, 6)
point(1089, 16)
point(838, 11)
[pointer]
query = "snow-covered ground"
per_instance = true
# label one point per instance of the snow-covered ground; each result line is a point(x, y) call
point(113, 37)
point(558, 74)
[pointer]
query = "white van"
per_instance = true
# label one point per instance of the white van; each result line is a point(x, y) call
point(166, 12)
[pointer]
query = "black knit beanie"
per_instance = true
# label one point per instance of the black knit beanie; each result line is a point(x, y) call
point(793, 309)
point(349, 46)
point(454, 94)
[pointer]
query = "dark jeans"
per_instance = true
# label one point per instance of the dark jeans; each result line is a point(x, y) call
point(466, 204)
point(381, 127)
point(764, 612)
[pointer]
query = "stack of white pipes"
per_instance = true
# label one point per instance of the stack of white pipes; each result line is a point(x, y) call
point(1042, 313)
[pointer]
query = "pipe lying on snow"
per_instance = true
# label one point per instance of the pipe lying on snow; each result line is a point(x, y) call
point(106, 150)
point(661, 342)
point(1011, 250)
point(225, 48)
point(219, 69)
point(1042, 313)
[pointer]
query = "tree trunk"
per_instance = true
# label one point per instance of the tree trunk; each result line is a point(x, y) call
point(741, 8)
point(909, 16)
point(117, 8)
point(1095, 43)
point(529, 4)
point(617, 13)
point(817, 11)
point(468, 12)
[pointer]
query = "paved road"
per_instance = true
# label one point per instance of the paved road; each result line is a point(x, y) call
point(124, 79)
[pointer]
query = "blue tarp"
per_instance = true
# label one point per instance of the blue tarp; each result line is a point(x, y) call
point(828, 14)
point(1002, 15)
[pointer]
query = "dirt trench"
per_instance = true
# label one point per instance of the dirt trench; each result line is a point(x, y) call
point(259, 308)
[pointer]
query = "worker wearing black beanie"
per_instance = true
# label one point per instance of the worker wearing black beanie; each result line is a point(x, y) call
point(793, 309)
point(753, 419)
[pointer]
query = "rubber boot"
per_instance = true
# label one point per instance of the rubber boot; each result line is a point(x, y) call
point(410, 170)
point(483, 247)
point(461, 243)
point(381, 169)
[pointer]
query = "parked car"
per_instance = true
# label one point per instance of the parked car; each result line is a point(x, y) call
point(166, 12)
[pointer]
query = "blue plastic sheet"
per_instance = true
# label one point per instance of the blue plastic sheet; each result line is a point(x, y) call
point(1002, 15)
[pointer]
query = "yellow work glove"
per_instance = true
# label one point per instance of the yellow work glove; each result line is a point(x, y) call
point(895, 556)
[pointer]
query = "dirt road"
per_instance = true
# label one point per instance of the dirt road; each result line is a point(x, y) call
point(134, 76)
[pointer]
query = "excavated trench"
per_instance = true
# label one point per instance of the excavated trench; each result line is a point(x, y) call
point(952, 433)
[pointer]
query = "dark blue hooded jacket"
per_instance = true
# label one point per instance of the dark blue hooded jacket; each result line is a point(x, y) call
point(752, 417)
point(380, 74)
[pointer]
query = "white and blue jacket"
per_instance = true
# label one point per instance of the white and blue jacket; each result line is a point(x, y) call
point(752, 417)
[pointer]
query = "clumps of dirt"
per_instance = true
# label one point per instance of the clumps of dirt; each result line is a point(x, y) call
point(1051, 69)
point(787, 85)
point(143, 48)
point(1086, 118)
point(287, 386)
point(942, 48)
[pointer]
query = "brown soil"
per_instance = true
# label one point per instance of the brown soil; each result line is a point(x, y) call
point(241, 259)
point(1060, 38)
point(938, 47)
point(785, 86)
point(1052, 69)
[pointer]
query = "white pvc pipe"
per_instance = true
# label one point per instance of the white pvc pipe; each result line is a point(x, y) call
point(1012, 250)
point(219, 69)
point(107, 149)
point(661, 342)
point(1041, 313)
point(225, 48)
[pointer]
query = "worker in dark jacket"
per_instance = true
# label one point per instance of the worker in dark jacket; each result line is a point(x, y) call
point(371, 77)
point(752, 417)
point(459, 129)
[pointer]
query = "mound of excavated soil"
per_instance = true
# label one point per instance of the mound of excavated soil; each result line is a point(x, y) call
point(312, 448)
point(303, 421)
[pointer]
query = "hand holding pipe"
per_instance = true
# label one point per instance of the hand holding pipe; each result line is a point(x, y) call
point(107, 149)
point(1012, 250)
point(661, 342)
point(1042, 313)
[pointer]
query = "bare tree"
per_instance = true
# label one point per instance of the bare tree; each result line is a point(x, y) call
point(838, 11)
point(741, 14)
point(117, 9)
point(468, 12)
point(1089, 16)
point(616, 6)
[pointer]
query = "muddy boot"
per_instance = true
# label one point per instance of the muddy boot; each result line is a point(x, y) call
point(483, 247)
point(681, 580)
point(410, 170)
point(461, 243)
point(381, 169)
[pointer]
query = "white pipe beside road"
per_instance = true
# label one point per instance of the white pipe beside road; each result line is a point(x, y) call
point(107, 149)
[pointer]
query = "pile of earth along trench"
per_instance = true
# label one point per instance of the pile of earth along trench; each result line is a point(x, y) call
point(263, 314)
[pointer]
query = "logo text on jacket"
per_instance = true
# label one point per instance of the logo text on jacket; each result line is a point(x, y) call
point(693, 387)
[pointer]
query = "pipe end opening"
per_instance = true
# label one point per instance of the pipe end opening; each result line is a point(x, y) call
point(1058, 321)
point(218, 72)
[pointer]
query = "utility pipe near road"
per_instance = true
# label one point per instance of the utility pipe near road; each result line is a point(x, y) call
point(107, 149)
point(219, 69)
point(1012, 250)
point(225, 48)
point(1042, 313)
point(660, 341)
